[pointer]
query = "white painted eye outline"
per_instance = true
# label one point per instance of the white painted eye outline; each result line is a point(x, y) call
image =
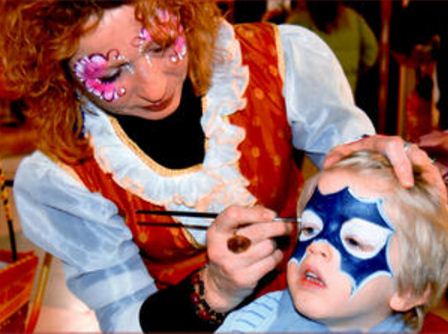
point(311, 225)
point(363, 239)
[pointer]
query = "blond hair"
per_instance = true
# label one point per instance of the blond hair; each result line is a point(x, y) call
point(422, 232)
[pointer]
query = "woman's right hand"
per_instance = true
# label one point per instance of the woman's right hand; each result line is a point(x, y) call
point(230, 277)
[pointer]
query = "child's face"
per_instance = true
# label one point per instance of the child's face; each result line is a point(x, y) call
point(341, 272)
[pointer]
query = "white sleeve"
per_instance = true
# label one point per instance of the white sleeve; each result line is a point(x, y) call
point(319, 102)
point(102, 264)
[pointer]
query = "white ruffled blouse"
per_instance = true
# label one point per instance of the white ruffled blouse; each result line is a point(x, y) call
point(102, 263)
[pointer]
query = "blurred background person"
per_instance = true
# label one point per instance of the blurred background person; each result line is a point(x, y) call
point(344, 30)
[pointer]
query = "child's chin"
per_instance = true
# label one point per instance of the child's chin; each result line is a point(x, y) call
point(311, 309)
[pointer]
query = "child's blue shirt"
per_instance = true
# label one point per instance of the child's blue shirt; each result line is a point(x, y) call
point(275, 312)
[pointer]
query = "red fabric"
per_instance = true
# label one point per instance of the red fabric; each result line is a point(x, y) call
point(434, 324)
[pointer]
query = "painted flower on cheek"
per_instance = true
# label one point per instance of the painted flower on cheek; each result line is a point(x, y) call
point(89, 71)
point(180, 43)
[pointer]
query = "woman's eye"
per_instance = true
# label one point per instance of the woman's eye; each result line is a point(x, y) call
point(110, 78)
point(154, 50)
point(157, 49)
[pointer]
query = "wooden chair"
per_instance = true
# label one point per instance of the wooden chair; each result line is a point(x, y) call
point(17, 277)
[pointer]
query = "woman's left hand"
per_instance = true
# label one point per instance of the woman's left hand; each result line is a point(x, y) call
point(436, 141)
point(401, 154)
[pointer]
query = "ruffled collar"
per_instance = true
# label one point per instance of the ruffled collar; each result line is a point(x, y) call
point(211, 186)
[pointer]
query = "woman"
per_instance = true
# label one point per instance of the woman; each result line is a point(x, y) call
point(162, 105)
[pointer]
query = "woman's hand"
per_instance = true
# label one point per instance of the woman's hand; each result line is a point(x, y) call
point(401, 156)
point(436, 141)
point(436, 144)
point(230, 277)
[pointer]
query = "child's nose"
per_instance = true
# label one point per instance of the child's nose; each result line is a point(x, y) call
point(320, 248)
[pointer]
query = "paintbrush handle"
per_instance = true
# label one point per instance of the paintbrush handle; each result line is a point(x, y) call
point(196, 214)
point(177, 225)
point(192, 214)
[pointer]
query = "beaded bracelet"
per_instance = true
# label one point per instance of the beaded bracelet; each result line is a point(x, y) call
point(203, 310)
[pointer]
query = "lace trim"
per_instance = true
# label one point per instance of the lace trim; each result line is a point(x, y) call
point(211, 186)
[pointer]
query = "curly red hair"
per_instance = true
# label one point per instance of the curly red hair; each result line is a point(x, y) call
point(40, 36)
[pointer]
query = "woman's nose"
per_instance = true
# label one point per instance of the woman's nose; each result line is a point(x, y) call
point(320, 248)
point(151, 81)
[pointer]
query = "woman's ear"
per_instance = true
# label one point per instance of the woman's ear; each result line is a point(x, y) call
point(408, 300)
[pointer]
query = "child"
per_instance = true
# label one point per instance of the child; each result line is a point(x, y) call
point(372, 256)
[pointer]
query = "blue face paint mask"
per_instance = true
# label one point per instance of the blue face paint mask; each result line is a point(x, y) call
point(356, 228)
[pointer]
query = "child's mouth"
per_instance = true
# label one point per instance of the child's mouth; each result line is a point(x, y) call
point(314, 278)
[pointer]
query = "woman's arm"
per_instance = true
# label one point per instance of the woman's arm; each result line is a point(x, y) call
point(102, 264)
point(319, 102)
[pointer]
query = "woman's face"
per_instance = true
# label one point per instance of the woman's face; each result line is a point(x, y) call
point(124, 71)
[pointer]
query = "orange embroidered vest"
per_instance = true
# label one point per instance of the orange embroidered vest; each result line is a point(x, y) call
point(171, 254)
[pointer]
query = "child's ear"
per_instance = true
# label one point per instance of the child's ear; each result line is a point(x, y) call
point(408, 300)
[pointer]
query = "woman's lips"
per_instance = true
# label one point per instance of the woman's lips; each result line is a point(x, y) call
point(159, 105)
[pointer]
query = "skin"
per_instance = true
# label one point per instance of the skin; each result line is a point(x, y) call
point(330, 300)
point(231, 277)
point(436, 140)
point(436, 143)
point(153, 88)
point(153, 91)
point(402, 160)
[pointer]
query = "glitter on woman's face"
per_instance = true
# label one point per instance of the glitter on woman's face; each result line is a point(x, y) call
point(91, 70)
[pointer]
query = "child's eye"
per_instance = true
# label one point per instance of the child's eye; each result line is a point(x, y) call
point(308, 231)
point(363, 239)
point(311, 225)
point(353, 243)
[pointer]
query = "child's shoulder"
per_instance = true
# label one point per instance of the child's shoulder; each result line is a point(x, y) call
point(254, 317)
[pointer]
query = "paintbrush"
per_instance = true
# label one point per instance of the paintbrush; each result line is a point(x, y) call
point(236, 243)
point(193, 214)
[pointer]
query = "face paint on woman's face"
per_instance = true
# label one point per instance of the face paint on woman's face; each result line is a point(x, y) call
point(126, 71)
point(356, 228)
point(180, 43)
point(93, 72)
